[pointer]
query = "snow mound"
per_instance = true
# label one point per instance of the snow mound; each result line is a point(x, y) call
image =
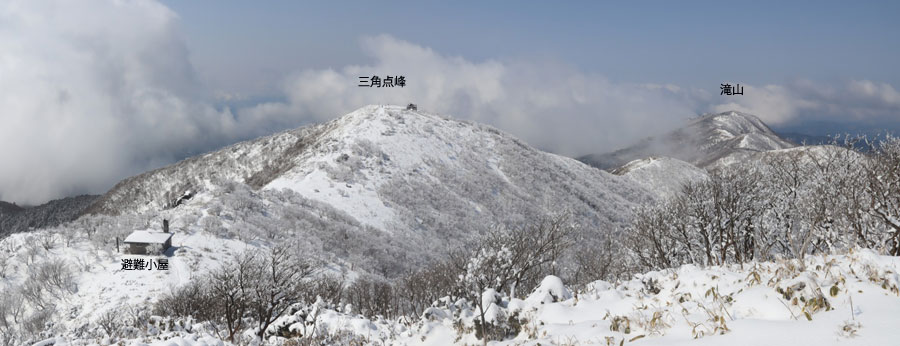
point(551, 290)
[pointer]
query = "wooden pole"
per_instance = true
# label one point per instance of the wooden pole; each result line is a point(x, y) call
point(117, 244)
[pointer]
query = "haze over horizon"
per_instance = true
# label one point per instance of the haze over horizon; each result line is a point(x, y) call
point(98, 91)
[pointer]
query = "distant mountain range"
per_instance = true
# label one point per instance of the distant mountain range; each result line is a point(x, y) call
point(14, 218)
point(421, 175)
point(705, 141)
point(359, 163)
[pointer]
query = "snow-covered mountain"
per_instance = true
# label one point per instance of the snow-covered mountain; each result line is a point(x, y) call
point(382, 190)
point(418, 180)
point(704, 141)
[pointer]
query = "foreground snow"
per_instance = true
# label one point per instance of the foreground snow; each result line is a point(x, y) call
point(848, 299)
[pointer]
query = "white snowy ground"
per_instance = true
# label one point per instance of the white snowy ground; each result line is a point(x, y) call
point(721, 306)
point(102, 285)
point(760, 304)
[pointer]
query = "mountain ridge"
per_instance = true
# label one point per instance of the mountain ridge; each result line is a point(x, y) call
point(409, 183)
point(703, 141)
point(15, 218)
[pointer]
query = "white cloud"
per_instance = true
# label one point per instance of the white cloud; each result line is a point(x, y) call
point(855, 100)
point(93, 91)
point(774, 104)
point(550, 106)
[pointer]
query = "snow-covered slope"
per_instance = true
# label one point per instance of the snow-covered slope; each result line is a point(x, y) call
point(849, 299)
point(806, 155)
point(663, 176)
point(383, 190)
point(824, 300)
point(380, 191)
point(702, 142)
point(425, 181)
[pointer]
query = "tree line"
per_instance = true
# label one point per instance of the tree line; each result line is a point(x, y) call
point(788, 204)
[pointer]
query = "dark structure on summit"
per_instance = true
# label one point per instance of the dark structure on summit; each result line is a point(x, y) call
point(411, 107)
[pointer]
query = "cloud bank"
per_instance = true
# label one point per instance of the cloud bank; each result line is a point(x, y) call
point(94, 91)
point(852, 101)
point(551, 106)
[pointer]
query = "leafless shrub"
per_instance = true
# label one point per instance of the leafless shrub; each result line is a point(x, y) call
point(250, 289)
point(791, 203)
point(7, 321)
point(11, 310)
point(229, 288)
point(4, 264)
point(329, 288)
point(32, 250)
point(33, 292)
point(192, 299)
point(10, 246)
point(420, 289)
point(57, 276)
point(650, 239)
point(340, 337)
point(883, 184)
point(508, 258)
point(15, 309)
point(603, 261)
point(47, 240)
point(68, 239)
point(372, 296)
point(89, 231)
point(277, 285)
point(47, 282)
point(10, 337)
point(110, 322)
point(36, 323)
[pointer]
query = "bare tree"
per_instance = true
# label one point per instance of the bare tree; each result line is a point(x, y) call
point(507, 258)
point(56, 275)
point(33, 291)
point(603, 260)
point(249, 289)
point(47, 240)
point(883, 177)
point(4, 264)
point(230, 289)
point(110, 322)
point(328, 287)
point(193, 299)
point(422, 288)
point(278, 284)
point(373, 296)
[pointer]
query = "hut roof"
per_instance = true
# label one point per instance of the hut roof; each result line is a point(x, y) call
point(148, 237)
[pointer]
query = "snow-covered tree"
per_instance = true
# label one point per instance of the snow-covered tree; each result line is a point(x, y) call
point(883, 176)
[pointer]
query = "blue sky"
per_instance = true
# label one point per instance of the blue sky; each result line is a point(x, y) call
point(695, 44)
